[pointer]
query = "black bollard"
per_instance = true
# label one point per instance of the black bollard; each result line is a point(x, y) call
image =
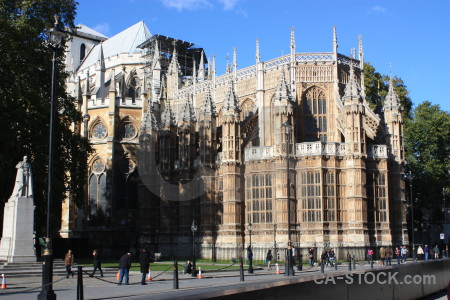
point(354, 263)
point(350, 264)
point(175, 275)
point(335, 265)
point(371, 263)
point(322, 267)
point(241, 269)
point(80, 293)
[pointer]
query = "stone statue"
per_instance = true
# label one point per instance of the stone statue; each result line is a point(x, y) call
point(23, 185)
point(17, 244)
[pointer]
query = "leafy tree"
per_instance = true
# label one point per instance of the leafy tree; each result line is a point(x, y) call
point(25, 83)
point(377, 86)
point(427, 145)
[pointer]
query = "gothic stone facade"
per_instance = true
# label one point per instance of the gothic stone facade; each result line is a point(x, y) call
point(176, 145)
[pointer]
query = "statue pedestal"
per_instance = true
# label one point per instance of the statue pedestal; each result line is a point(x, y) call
point(18, 222)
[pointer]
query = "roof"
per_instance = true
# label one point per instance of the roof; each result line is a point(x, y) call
point(83, 30)
point(123, 42)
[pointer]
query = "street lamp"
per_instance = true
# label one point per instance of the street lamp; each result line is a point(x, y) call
point(275, 242)
point(56, 37)
point(250, 251)
point(299, 253)
point(410, 176)
point(194, 229)
point(289, 269)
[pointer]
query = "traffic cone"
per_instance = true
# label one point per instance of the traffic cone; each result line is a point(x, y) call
point(149, 278)
point(118, 275)
point(278, 269)
point(3, 282)
point(199, 276)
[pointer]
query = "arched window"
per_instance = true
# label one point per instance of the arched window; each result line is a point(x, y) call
point(315, 116)
point(97, 194)
point(82, 51)
point(127, 185)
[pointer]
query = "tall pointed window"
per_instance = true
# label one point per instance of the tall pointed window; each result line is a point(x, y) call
point(82, 51)
point(259, 198)
point(315, 115)
point(329, 197)
point(97, 194)
point(311, 199)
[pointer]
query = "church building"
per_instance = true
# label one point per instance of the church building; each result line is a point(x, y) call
point(184, 156)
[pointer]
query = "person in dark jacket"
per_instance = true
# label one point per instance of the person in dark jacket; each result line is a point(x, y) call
point(144, 262)
point(97, 263)
point(68, 262)
point(124, 266)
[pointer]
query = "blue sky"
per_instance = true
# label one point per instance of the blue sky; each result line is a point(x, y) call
point(414, 35)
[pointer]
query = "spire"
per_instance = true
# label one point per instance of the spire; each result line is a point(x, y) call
point(112, 81)
point(258, 58)
point(194, 71)
point(208, 108)
point(201, 68)
point(292, 39)
point(360, 51)
point(213, 67)
point(234, 60)
point(352, 90)
point(87, 91)
point(282, 93)
point(228, 67)
point(174, 66)
point(101, 60)
point(231, 102)
point(156, 57)
point(335, 41)
point(149, 122)
point(167, 119)
point(187, 114)
point(392, 101)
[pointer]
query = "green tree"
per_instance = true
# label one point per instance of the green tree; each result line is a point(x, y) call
point(376, 87)
point(25, 83)
point(427, 145)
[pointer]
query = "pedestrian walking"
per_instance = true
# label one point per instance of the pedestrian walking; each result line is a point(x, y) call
point(389, 256)
point(323, 257)
point(311, 257)
point(436, 252)
point(331, 256)
point(420, 252)
point(382, 255)
point(404, 253)
point(124, 266)
point(369, 255)
point(426, 251)
point(144, 262)
point(269, 258)
point(188, 267)
point(97, 263)
point(398, 255)
point(68, 262)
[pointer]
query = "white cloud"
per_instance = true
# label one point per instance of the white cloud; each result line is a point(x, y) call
point(103, 28)
point(228, 4)
point(186, 4)
point(378, 9)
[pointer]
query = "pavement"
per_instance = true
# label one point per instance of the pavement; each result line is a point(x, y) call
point(162, 286)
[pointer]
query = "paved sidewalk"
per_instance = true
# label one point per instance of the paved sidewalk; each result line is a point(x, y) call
point(161, 288)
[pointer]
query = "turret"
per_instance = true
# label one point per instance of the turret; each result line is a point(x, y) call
point(393, 122)
point(167, 141)
point(354, 108)
point(201, 69)
point(186, 135)
point(207, 130)
point(173, 75)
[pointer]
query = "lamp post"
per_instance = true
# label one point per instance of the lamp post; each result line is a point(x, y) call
point(410, 176)
point(250, 251)
point(289, 269)
point(445, 223)
point(194, 229)
point(275, 242)
point(299, 253)
point(55, 38)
